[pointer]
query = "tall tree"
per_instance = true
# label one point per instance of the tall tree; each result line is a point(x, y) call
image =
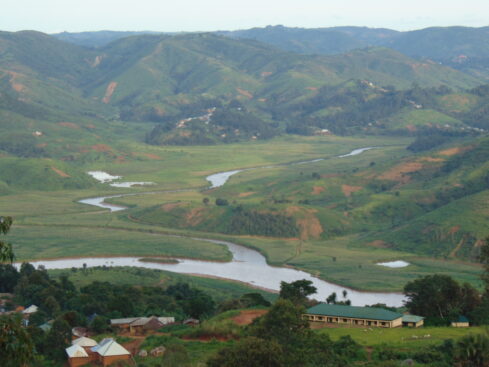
point(440, 296)
point(298, 291)
point(484, 259)
point(6, 252)
point(16, 347)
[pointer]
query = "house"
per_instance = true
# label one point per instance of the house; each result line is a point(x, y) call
point(191, 322)
point(412, 321)
point(460, 321)
point(123, 324)
point(109, 351)
point(87, 344)
point(324, 313)
point(140, 325)
point(143, 324)
point(48, 325)
point(78, 332)
point(77, 356)
point(30, 310)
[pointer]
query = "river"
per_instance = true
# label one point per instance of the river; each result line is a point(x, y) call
point(248, 265)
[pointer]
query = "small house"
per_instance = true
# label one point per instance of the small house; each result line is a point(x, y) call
point(460, 321)
point(412, 321)
point(30, 310)
point(109, 351)
point(87, 344)
point(123, 324)
point(77, 356)
point(191, 322)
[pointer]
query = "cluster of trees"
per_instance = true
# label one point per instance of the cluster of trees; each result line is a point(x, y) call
point(246, 221)
point(21, 145)
point(35, 286)
point(441, 299)
point(283, 338)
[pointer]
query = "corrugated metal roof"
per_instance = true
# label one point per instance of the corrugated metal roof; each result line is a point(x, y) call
point(141, 321)
point(123, 321)
point(371, 313)
point(109, 347)
point(461, 319)
point(75, 351)
point(166, 320)
point(30, 309)
point(412, 318)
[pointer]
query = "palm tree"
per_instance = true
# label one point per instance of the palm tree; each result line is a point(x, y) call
point(473, 350)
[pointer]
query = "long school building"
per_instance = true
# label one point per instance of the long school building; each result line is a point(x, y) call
point(352, 315)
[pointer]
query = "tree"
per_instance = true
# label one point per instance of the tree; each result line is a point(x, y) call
point(221, 202)
point(99, 324)
point(57, 340)
point(205, 201)
point(484, 260)
point(297, 291)
point(249, 352)
point(440, 296)
point(6, 252)
point(283, 323)
point(472, 351)
point(9, 276)
point(16, 346)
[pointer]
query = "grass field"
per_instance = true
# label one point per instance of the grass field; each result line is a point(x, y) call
point(405, 338)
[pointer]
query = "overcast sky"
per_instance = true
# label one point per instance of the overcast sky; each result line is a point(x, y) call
point(206, 15)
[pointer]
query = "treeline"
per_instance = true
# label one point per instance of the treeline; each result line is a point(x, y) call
point(253, 222)
point(35, 286)
point(22, 145)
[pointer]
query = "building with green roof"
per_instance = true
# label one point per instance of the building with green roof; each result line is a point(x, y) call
point(353, 315)
point(412, 321)
point(460, 321)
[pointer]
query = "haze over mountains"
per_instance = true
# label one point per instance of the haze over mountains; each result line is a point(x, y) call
point(460, 47)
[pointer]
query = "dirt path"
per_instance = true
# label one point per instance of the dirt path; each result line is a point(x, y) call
point(246, 317)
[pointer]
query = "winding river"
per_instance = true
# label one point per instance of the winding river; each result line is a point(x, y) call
point(247, 265)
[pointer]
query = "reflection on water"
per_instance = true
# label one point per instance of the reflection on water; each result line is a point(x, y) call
point(247, 266)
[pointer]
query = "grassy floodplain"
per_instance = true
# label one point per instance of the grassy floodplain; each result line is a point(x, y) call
point(51, 224)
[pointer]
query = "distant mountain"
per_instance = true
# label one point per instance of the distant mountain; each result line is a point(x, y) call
point(463, 48)
point(167, 79)
point(98, 38)
point(324, 41)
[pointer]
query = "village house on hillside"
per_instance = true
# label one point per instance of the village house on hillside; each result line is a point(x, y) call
point(359, 316)
point(140, 325)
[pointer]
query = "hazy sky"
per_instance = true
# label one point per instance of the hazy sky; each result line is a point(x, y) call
point(205, 15)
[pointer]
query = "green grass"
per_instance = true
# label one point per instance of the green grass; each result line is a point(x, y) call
point(405, 338)
point(41, 242)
